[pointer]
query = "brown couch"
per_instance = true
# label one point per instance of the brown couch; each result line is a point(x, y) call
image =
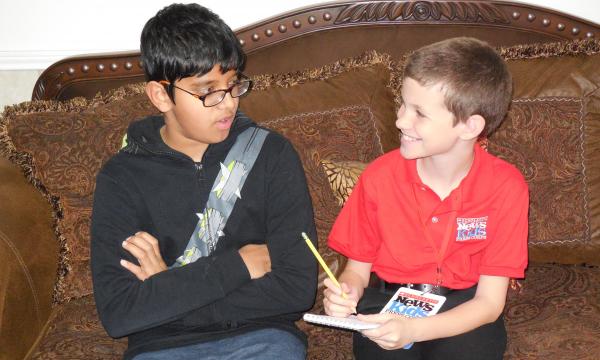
point(326, 77)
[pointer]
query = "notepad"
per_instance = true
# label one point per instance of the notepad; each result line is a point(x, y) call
point(405, 302)
point(350, 322)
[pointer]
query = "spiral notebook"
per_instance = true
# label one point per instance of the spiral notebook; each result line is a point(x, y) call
point(406, 302)
point(350, 322)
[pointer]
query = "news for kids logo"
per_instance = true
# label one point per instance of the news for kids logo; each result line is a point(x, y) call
point(411, 305)
point(471, 228)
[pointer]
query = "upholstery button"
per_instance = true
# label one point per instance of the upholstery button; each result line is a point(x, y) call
point(435, 219)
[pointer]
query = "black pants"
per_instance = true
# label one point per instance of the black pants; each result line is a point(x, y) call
point(487, 342)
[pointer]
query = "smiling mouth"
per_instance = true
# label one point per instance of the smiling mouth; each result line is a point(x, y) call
point(408, 138)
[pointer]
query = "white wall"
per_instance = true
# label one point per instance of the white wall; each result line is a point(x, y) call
point(36, 33)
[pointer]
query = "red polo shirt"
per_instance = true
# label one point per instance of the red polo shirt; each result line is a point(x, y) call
point(487, 212)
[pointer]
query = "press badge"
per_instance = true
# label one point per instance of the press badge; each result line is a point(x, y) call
point(413, 304)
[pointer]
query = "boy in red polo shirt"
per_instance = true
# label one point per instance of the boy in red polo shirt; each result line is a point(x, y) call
point(441, 215)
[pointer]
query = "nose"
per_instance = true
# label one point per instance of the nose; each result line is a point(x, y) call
point(228, 101)
point(403, 121)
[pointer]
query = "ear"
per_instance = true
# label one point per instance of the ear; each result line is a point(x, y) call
point(158, 96)
point(472, 127)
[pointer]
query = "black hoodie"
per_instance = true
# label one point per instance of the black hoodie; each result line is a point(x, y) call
point(150, 187)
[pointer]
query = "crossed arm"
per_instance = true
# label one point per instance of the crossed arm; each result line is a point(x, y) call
point(144, 247)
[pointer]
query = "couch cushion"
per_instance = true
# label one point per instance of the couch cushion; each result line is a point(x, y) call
point(556, 315)
point(552, 134)
point(544, 138)
point(369, 81)
point(75, 333)
point(61, 147)
point(342, 176)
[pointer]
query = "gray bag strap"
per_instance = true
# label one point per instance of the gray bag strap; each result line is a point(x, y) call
point(223, 196)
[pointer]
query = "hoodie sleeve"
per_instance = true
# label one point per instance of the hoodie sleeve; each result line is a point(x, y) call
point(125, 304)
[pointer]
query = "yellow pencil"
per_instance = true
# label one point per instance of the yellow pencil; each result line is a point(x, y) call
point(322, 262)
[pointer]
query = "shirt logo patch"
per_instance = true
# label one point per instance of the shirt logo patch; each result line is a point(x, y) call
point(471, 228)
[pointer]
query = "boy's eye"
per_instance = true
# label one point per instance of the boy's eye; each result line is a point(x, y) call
point(204, 91)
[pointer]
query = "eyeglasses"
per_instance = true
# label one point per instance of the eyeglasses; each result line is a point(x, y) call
point(213, 98)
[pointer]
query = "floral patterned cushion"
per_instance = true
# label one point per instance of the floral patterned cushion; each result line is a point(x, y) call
point(342, 176)
point(61, 147)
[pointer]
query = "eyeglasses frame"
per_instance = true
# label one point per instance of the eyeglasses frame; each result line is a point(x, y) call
point(242, 78)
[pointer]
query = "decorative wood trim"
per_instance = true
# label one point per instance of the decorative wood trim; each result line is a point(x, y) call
point(81, 68)
point(322, 17)
point(422, 11)
point(370, 13)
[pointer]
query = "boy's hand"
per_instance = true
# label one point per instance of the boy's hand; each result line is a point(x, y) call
point(334, 302)
point(145, 249)
point(257, 259)
point(394, 332)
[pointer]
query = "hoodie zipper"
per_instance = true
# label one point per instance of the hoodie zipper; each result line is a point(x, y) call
point(199, 167)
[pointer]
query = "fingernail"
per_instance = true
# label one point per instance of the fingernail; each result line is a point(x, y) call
point(124, 243)
point(122, 262)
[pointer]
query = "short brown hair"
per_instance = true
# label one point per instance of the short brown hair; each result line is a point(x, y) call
point(474, 78)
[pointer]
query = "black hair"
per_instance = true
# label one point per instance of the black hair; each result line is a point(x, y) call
point(184, 40)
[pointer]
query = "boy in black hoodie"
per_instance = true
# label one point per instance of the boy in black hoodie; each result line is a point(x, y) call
point(197, 252)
